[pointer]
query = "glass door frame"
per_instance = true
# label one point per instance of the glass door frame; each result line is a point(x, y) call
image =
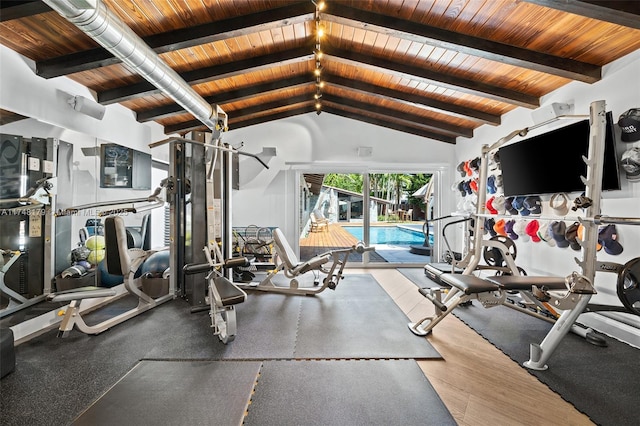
point(439, 173)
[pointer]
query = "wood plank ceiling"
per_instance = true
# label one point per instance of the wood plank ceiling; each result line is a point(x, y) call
point(437, 68)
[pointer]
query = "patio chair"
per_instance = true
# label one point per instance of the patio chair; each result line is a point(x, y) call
point(407, 216)
point(318, 221)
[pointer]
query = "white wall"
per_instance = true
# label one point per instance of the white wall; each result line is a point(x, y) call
point(319, 144)
point(25, 93)
point(45, 101)
point(620, 89)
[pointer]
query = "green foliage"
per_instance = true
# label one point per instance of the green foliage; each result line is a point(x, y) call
point(350, 182)
point(388, 186)
point(418, 181)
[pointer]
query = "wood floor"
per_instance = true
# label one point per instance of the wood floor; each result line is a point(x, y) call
point(332, 235)
point(477, 382)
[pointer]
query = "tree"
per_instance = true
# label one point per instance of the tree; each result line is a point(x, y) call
point(350, 182)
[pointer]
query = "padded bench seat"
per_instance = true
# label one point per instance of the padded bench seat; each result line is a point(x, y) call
point(230, 294)
point(469, 284)
point(519, 282)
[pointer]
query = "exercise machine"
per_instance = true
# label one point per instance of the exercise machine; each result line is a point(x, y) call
point(223, 294)
point(331, 264)
point(120, 260)
point(35, 206)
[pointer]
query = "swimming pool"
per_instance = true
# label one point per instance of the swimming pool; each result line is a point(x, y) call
point(390, 235)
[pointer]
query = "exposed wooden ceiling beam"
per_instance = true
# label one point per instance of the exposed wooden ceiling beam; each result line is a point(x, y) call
point(401, 117)
point(239, 114)
point(348, 84)
point(203, 75)
point(301, 109)
point(226, 97)
point(620, 12)
point(412, 99)
point(472, 87)
point(235, 124)
point(391, 115)
point(7, 117)
point(183, 38)
point(331, 109)
point(470, 45)
point(15, 9)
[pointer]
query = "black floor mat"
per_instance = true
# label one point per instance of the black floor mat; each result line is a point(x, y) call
point(374, 392)
point(67, 375)
point(601, 382)
point(177, 393)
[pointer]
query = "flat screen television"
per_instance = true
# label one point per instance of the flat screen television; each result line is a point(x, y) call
point(552, 162)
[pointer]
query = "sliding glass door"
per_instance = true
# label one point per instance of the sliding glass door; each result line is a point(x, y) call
point(385, 210)
point(332, 213)
point(398, 217)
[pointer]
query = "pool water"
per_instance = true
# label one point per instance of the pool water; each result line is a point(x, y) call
point(390, 235)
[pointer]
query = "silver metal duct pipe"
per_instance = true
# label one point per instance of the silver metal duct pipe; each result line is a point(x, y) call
point(94, 18)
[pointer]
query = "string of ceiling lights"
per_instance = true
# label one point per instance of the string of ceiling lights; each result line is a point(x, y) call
point(317, 72)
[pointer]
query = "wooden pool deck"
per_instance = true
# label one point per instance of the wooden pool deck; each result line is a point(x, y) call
point(337, 236)
point(332, 236)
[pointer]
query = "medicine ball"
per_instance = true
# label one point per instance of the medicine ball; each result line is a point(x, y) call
point(95, 242)
point(107, 279)
point(156, 264)
point(95, 256)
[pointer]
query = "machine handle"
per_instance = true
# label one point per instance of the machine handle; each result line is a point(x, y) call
point(426, 292)
point(196, 268)
point(236, 261)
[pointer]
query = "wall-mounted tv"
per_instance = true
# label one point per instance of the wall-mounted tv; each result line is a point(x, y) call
point(552, 162)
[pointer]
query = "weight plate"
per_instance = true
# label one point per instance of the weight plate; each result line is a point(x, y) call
point(628, 286)
point(493, 255)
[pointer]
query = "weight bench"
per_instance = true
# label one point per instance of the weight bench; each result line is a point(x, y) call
point(287, 262)
point(120, 260)
point(490, 291)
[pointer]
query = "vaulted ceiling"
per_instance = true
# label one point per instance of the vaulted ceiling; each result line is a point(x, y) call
point(436, 68)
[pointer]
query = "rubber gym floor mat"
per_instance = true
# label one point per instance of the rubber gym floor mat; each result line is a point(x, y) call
point(333, 392)
point(601, 382)
point(67, 375)
point(417, 276)
point(357, 320)
point(176, 393)
point(266, 329)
